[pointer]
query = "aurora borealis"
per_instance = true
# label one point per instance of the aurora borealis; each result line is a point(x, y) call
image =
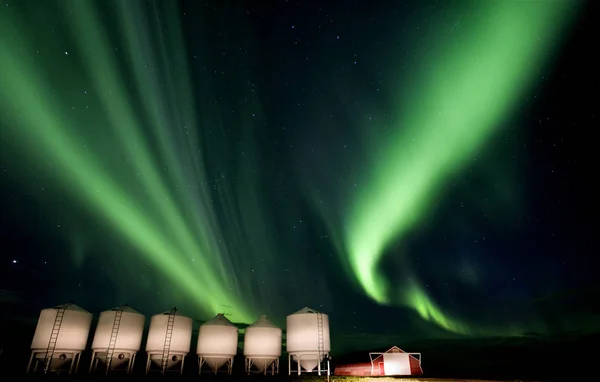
point(462, 94)
point(151, 221)
point(256, 159)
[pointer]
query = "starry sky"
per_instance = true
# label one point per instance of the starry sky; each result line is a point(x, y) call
point(412, 168)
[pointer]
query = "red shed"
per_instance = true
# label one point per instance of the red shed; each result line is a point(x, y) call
point(354, 369)
point(395, 361)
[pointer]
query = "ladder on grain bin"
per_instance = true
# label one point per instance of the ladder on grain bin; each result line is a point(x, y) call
point(112, 343)
point(320, 340)
point(60, 315)
point(168, 337)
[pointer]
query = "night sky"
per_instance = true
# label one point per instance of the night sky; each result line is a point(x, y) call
point(419, 169)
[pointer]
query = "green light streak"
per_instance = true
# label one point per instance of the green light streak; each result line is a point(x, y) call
point(454, 107)
point(167, 227)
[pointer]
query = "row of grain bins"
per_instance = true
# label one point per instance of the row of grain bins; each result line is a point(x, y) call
point(62, 333)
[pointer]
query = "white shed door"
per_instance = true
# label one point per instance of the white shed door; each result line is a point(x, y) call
point(396, 364)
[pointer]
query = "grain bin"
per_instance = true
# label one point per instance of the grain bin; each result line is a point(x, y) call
point(60, 337)
point(262, 346)
point(169, 340)
point(117, 340)
point(217, 344)
point(308, 341)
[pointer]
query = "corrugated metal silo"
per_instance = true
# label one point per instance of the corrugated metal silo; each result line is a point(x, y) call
point(117, 340)
point(217, 344)
point(60, 337)
point(169, 340)
point(262, 346)
point(308, 341)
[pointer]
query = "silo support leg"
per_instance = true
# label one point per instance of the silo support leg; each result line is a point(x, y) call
point(182, 361)
point(148, 364)
point(30, 360)
point(77, 363)
point(319, 365)
point(92, 360)
point(72, 363)
point(128, 366)
point(132, 362)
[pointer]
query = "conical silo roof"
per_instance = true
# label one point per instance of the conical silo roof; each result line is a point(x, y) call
point(219, 320)
point(70, 306)
point(263, 322)
point(168, 312)
point(306, 310)
point(125, 308)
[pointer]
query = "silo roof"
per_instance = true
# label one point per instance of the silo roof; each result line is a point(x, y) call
point(70, 306)
point(126, 308)
point(168, 312)
point(219, 319)
point(306, 310)
point(263, 322)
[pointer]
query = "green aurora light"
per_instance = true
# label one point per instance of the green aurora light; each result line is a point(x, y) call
point(470, 83)
point(140, 156)
point(171, 227)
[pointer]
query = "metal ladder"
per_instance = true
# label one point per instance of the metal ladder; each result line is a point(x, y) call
point(60, 314)
point(320, 343)
point(168, 337)
point(112, 343)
